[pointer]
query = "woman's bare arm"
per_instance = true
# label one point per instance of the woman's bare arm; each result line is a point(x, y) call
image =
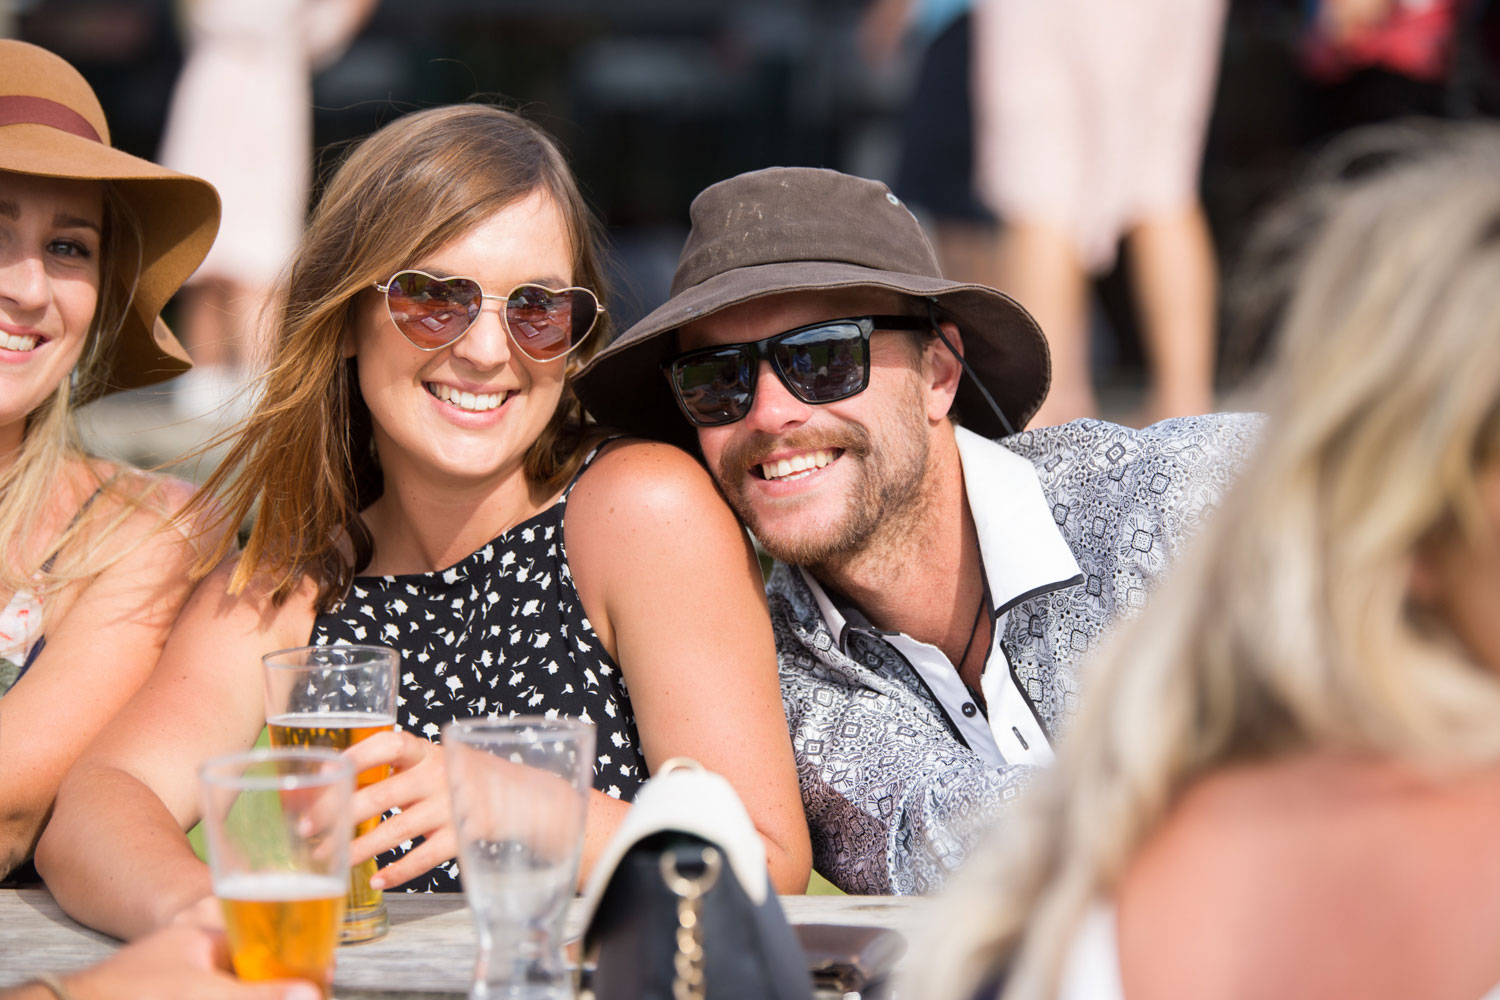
point(101, 643)
point(115, 854)
point(653, 546)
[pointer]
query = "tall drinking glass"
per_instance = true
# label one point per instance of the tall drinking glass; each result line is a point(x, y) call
point(335, 696)
point(520, 798)
point(277, 824)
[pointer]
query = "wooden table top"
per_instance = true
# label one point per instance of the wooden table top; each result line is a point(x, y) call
point(428, 953)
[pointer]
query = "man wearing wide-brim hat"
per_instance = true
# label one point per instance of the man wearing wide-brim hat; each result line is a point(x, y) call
point(935, 589)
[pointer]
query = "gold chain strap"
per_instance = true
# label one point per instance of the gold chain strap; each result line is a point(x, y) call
point(688, 980)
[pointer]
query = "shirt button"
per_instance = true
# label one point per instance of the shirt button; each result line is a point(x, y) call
point(969, 709)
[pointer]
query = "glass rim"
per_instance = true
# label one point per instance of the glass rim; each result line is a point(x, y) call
point(228, 770)
point(374, 654)
point(488, 727)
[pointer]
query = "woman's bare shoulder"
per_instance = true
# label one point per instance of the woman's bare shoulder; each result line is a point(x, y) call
point(648, 494)
point(633, 463)
point(1265, 863)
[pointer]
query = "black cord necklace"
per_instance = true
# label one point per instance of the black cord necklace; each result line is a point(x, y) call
point(979, 614)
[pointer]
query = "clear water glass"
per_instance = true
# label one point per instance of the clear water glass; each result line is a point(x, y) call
point(520, 801)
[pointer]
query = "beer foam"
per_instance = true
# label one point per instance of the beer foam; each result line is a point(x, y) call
point(331, 720)
point(280, 887)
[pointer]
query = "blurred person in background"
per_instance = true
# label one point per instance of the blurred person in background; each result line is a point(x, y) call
point(935, 167)
point(1285, 779)
point(423, 478)
point(1373, 60)
point(241, 116)
point(1090, 122)
point(93, 242)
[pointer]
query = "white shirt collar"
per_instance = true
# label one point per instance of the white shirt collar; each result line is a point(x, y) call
point(1024, 553)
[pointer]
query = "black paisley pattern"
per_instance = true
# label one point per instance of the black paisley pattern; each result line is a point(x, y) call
point(501, 633)
point(894, 799)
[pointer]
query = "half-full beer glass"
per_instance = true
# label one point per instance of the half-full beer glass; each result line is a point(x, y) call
point(335, 696)
point(277, 824)
point(520, 798)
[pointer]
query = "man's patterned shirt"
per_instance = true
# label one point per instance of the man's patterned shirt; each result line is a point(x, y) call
point(895, 794)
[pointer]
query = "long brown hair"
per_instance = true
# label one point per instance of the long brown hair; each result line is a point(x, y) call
point(306, 454)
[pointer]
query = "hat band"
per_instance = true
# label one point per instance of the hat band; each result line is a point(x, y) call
point(19, 109)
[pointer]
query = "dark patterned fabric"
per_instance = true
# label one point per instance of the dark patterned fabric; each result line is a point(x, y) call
point(894, 798)
point(501, 633)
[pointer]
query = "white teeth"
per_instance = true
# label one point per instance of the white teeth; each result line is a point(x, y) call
point(804, 463)
point(12, 342)
point(476, 402)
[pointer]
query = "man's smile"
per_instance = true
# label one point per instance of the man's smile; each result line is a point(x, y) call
point(792, 467)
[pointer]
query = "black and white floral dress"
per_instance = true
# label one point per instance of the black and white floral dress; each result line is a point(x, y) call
point(500, 633)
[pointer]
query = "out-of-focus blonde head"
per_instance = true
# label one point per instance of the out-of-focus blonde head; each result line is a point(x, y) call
point(1290, 624)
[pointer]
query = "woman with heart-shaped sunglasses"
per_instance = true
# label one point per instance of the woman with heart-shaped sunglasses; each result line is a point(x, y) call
point(414, 449)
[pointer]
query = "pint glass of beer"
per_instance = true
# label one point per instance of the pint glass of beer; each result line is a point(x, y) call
point(335, 696)
point(277, 824)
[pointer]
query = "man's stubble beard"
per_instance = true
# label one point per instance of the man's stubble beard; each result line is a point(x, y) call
point(889, 493)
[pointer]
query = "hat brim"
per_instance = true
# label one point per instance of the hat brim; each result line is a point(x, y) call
point(622, 386)
point(178, 216)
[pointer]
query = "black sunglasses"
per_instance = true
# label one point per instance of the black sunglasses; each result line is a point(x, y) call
point(818, 363)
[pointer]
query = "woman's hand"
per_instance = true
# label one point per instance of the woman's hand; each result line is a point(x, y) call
point(418, 787)
point(181, 962)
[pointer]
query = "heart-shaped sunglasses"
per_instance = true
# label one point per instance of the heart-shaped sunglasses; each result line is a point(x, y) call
point(544, 323)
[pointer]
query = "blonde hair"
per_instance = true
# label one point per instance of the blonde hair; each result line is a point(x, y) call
point(50, 441)
point(305, 457)
point(1290, 622)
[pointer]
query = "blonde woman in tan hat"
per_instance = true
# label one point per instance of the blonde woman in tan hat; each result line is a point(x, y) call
point(92, 242)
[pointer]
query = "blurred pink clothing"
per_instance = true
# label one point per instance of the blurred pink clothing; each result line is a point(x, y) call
point(1090, 114)
point(241, 118)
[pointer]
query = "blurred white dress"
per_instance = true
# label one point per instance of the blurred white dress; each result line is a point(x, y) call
point(1090, 115)
point(241, 118)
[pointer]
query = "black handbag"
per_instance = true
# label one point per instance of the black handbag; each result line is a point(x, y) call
point(669, 917)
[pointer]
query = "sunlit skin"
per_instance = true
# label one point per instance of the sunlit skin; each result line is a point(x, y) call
point(49, 289)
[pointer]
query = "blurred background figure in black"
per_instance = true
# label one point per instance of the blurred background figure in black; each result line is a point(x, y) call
point(934, 171)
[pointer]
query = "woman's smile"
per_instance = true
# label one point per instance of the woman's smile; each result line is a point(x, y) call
point(473, 402)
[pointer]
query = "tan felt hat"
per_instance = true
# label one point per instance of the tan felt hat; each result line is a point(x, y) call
point(51, 125)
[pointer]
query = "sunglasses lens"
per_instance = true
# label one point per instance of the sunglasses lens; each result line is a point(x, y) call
point(715, 386)
point(548, 324)
point(432, 312)
point(824, 364)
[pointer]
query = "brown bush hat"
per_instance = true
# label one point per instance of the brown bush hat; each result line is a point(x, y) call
point(800, 229)
point(51, 125)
